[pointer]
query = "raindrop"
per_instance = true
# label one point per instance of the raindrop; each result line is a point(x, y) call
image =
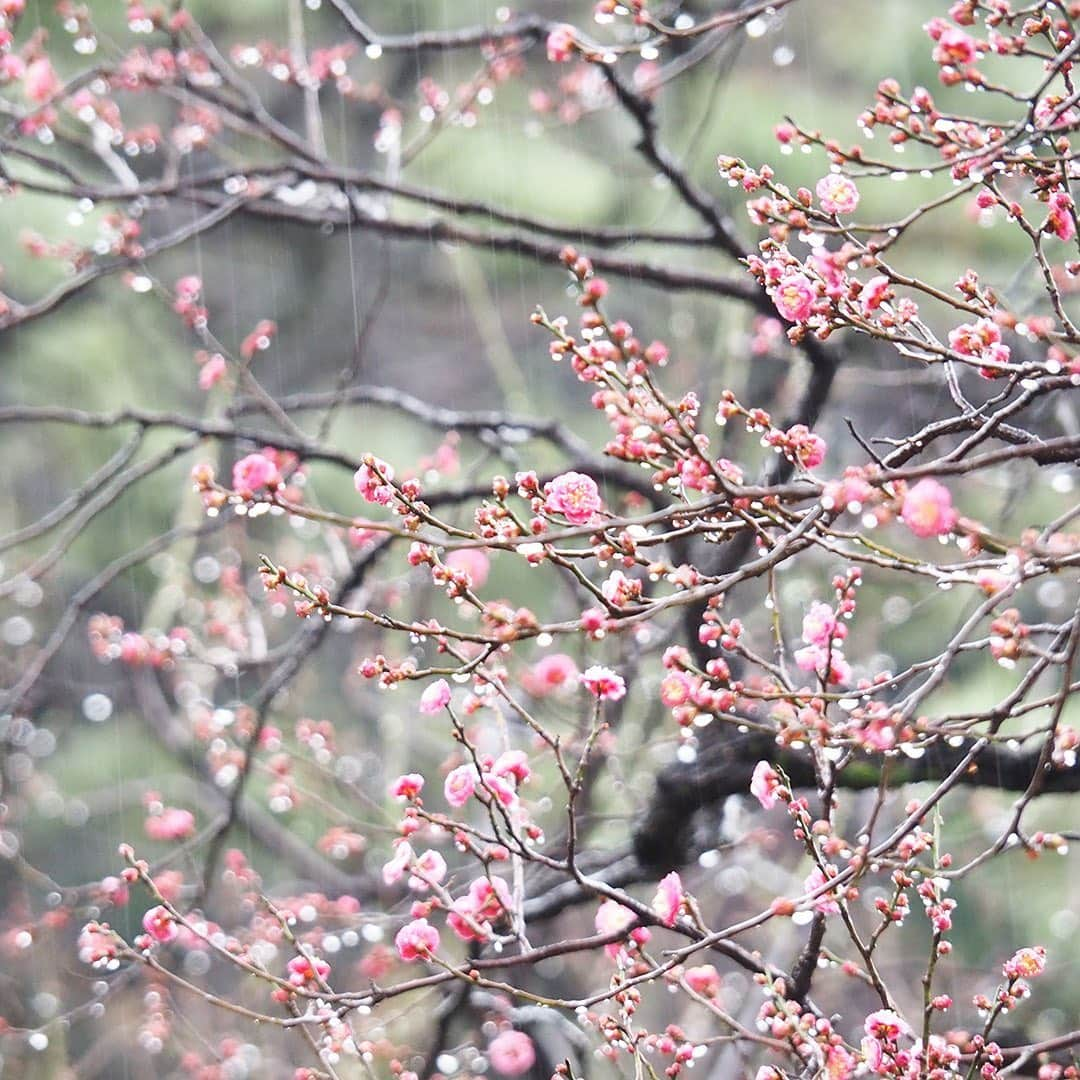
point(97, 708)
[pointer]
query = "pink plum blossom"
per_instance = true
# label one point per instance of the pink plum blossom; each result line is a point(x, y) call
point(817, 659)
point(498, 788)
point(428, 869)
point(603, 683)
point(928, 509)
point(171, 824)
point(821, 626)
point(97, 944)
point(1060, 220)
point(512, 1053)
point(253, 473)
point(408, 786)
point(473, 563)
point(416, 940)
point(668, 899)
point(159, 923)
point(1026, 963)
point(808, 449)
point(307, 971)
point(487, 901)
point(794, 297)
point(40, 82)
point(513, 763)
point(839, 1063)
point(955, 48)
point(765, 785)
point(825, 903)
point(837, 194)
point(886, 1025)
point(574, 495)
point(551, 673)
point(676, 688)
point(874, 293)
point(703, 980)
point(435, 698)
point(212, 372)
point(611, 917)
point(394, 870)
point(460, 785)
point(560, 43)
point(1052, 112)
point(368, 483)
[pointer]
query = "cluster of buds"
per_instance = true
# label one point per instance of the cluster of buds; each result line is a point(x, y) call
point(109, 642)
point(1007, 636)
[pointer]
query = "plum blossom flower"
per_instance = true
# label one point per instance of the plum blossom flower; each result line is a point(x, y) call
point(560, 43)
point(429, 868)
point(825, 903)
point(12, 66)
point(820, 625)
point(394, 870)
point(574, 495)
point(188, 287)
point(668, 899)
point(40, 82)
point(473, 563)
point(815, 658)
point(1060, 220)
point(874, 293)
point(367, 481)
point(981, 339)
point(837, 194)
point(955, 48)
point(435, 698)
point(603, 683)
point(765, 785)
point(307, 970)
point(513, 763)
point(460, 785)
point(808, 449)
point(494, 786)
point(620, 590)
point(839, 1063)
point(794, 297)
point(550, 673)
point(212, 372)
point(486, 902)
point(407, 787)
point(97, 944)
point(928, 509)
point(254, 472)
point(171, 824)
point(512, 1053)
point(159, 923)
point(823, 634)
point(886, 1024)
point(416, 940)
point(1026, 963)
point(676, 689)
point(114, 891)
point(612, 917)
point(851, 493)
point(703, 980)
point(1052, 112)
